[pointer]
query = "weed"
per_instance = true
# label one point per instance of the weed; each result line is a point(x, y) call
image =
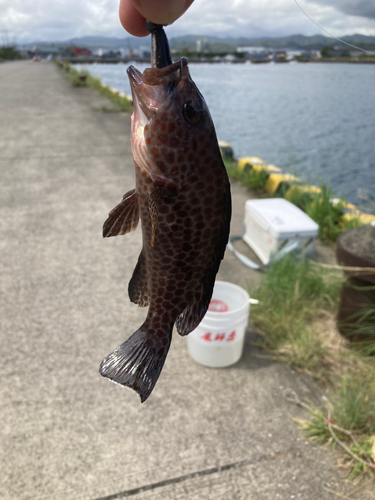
point(231, 167)
point(354, 403)
point(104, 109)
point(361, 323)
point(316, 427)
point(115, 97)
point(352, 414)
point(301, 197)
point(326, 214)
point(292, 295)
point(78, 79)
point(85, 79)
point(255, 179)
point(360, 326)
point(252, 178)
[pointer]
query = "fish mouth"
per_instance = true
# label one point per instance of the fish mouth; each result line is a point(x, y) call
point(152, 87)
point(142, 113)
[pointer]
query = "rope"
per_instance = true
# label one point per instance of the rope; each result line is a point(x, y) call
point(367, 270)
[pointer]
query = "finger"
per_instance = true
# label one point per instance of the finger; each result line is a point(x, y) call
point(131, 19)
point(162, 11)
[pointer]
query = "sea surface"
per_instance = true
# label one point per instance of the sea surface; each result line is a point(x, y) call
point(316, 121)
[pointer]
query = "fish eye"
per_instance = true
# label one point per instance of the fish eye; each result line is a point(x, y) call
point(192, 112)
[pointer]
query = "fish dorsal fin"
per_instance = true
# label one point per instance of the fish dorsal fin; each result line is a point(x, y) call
point(138, 285)
point(124, 217)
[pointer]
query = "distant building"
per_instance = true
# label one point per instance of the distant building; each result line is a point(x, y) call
point(141, 52)
point(77, 51)
point(202, 45)
point(253, 53)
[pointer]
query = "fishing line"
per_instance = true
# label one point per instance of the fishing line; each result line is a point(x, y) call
point(328, 33)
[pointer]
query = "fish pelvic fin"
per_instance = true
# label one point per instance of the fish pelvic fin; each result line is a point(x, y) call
point(137, 362)
point(138, 285)
point(124, 217)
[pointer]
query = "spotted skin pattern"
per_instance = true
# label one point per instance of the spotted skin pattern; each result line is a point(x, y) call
point(182, 197)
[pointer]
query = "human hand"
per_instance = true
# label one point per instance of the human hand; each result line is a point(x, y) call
point(133, 13)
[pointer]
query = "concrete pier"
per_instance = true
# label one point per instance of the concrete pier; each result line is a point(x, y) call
point(67, 433)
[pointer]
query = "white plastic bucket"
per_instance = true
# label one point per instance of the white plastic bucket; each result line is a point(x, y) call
point(219, 338)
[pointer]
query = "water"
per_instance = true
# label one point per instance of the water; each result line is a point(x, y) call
point(316, 121)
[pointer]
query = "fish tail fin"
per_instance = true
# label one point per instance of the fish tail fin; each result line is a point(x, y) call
point(137, 362)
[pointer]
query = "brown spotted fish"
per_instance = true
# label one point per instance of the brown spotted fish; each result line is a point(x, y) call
point(182, 197)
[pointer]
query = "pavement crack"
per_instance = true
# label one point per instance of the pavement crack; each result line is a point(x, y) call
point(204, 472)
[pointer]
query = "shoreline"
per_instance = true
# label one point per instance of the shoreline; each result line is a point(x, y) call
point(208, 61)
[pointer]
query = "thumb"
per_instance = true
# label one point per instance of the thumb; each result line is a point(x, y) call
point(162, 11)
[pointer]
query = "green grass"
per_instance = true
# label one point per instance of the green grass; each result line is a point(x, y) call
point(354, 403)
point(88, 80)
point(8, 53)
point(351, 407)
point(292, 295)
point(361, 325)
point(105, 109)
point(252, 179)
point(316, 428)
point(295, 299)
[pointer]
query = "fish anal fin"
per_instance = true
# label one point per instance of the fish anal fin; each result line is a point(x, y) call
point(137, 362)
point(193, 314)
point(138, 285)
point(124, 217)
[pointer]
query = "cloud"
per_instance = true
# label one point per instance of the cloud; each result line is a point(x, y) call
point(252, 18)
point(360, 8)
point(59, 19)
point(32, 20)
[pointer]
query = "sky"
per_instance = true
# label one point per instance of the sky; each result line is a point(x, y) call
point(58, 20)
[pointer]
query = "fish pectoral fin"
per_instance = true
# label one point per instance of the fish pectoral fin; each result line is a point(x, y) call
point(137, 362)
point(124, 217)
point(153, 203)
point(166, 186)
point(138, 285)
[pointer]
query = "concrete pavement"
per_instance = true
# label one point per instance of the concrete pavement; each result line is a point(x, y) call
point(66, 432)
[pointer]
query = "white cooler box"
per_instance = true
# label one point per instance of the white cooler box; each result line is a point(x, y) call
point(274, 223)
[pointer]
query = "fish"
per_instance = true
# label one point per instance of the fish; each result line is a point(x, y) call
point(182, 198)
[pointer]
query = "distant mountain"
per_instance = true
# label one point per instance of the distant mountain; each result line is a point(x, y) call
point(93, 42)
point(297, 42)
point(187, 39)
point(101, 41)
point(316, 42)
